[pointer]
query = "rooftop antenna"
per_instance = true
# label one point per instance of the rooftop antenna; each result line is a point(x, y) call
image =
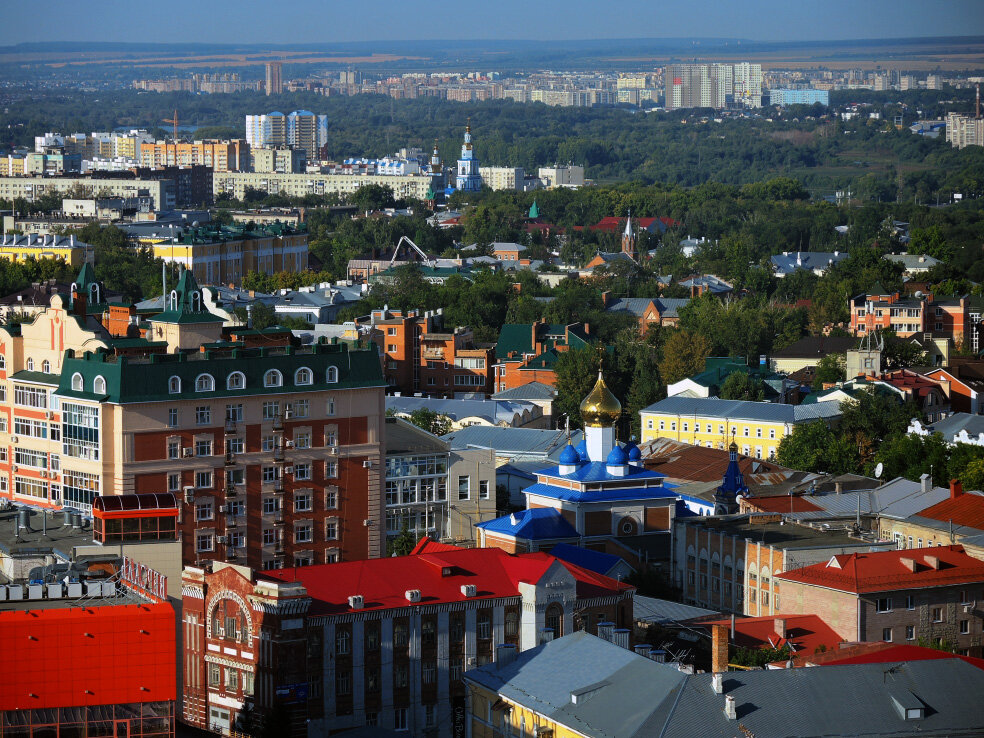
point(977, 108)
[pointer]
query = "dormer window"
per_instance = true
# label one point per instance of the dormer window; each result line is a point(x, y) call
point(172, 302)
point(236, 380)
point(273, 378)
point(174, 385)
point(30, 365)
point(99, 386)
point(304, 376)
point(46, 366)
point(332, 376)
point(196, 301)
point(77, 382)
point(204, 383)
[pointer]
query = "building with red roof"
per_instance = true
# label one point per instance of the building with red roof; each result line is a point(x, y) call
point(801, 633)
point(927, 393)
point(935, 595)
point(877, 652)
point(380, 642)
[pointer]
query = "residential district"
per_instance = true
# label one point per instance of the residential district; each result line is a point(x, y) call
point(389, 523)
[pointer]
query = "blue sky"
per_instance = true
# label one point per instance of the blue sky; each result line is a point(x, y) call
point(311, 21)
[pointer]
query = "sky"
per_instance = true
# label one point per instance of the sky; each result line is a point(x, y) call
point(313, 21)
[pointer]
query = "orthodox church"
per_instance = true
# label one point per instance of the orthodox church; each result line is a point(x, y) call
point(468, 179)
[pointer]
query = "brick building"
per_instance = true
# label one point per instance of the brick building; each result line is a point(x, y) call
point(420, 355)
point(528, 353)
point(380, 643)
point(932, 595)
point(957, 318)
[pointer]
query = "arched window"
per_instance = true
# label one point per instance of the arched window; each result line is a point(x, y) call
point(204, 383)
point(94, 293)
point(174, 385)
point(303, 376)
point(77, 382)
point(30, 365)
point(554, 619)
point(332, 375)
point(196, 301)
point(99, 386)
point(273, 378)
point(172, 303)
point(236, 380)
point(46, 366)
point(512, 624)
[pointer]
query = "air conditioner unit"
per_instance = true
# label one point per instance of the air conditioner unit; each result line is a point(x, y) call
point(288, 413)
point(221, 539)
point(49, 415)
point(469, 590)
point(367, 464)
point(44, 474)
point(331, 450)
point(288, 470)
point(188, 451)
point(189, 493)
point(367, 522)
point(14, 439)
point(288, 444)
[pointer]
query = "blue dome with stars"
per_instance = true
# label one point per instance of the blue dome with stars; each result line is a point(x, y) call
point(582, 450)
point(617, 457)
point(570, 455)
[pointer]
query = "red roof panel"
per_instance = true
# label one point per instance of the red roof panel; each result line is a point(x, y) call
point(878, 652)
point(966, 509)
point(804, 633)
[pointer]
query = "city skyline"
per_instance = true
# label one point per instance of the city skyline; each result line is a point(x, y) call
point(755, 20)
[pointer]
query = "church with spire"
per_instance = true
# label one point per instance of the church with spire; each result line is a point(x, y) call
point(599, 496)
point(468, 179)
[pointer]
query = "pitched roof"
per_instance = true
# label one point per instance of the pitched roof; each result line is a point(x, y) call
point(802, 633)
point(683, 461)
point(510, 441)
point(816, 347)
point(769, 412)
point(528, 391)
point(956, 423)
point(654, 610)
point(534, 524)
point(788, 262)
point(596, 561)
point(966, 509)
point(383, 582)
point(877, 652)
point(884, 571)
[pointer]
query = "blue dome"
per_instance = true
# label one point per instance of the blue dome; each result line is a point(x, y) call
point(582, 450)
point(617, 457)
point(570, 455)
point(633, 452)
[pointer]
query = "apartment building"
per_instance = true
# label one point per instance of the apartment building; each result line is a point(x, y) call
point(378, 644)
point(503, 178)
point(931, 595)
point(528, 353)
point(67, 248)
point(221, 156)
point(701, 85)
point(300, 129)
point(274, 452)
point(420, 355)
point(964, 130)
point(881, 309)
point(235, 184)
point(162, 192)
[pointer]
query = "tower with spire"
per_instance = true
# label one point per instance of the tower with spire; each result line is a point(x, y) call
point(469, 179)
point(629, 239)
point(733, 485)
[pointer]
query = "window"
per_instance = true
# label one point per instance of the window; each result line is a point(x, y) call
point(236, 446)
point(234, 413)
point(203, 447)
point(331, 469)
point(271, 410)
point(884, 604)
point(173, 448)
point(302, 533)
point(330, 407)
point(273, 378)
point(483, 489)
point(302, 440)
point(28, 396)
point(172, 417)
point(331, 529)
point(343, 682)
point(270, 474)
point(203, 510)
point(937, 615)
point(910, 602)
point(332, 376)
point(302, 501)
point(204, 542)
point(429, 671)
point(400, 718)
point(772, 433)
point(98, 385)
point(203, 415)
point(269, 536)
point(331, 499)
point(910, 632)
point(391, 348)
point(303, 376)
point(268, 443)
point(203, 479)
point(236, 381)
point(887, 635)
point(464, 484)
point(302, 471)
point(204, 383)
point(964, 599)
point(964, 627)
point(485, 627)
point(232, 677)
point(214, 675)
point(174, 386)
point(77, 382)
point(331, 438)
point(302, 408)
point(173, 482)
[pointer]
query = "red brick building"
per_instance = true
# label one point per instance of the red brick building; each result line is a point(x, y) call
point(379, 643)
point(528, 353)
point(949, 317)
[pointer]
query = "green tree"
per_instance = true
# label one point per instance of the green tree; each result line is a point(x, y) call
point(372, 197)
point(830, 369)
point(402, 544)
point(684, 354)
point(815, 447)
point(741, 386)
point(576, 372)
point(431, 421)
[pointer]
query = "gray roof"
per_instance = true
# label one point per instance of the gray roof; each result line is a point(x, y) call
point(653, 610)
point(952, 425)
point(715, 284)
point(403, 437)
point(528, 391)
point(599, 689)
point(509, 441)
point(769, 412)
point(494, 411)
point(912, 261)
point(789, 262)
point(668, 306)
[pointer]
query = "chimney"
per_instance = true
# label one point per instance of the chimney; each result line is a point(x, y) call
point(925, 483)
point(838, 487)
point(505, 653)
point(908, 563)
point(933, 562)
point(606, 297)
point(956, 489)
point(620, 637)
point(717, 682)
point(730, 711)
point(780, 625)
point(719, 648)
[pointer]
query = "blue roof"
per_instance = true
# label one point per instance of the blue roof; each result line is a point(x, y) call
point(597, 471)
point(596, 561)
point(569, 455)
point(601, 495)
point(534, 524)
point(617, 456)
point(789, 262)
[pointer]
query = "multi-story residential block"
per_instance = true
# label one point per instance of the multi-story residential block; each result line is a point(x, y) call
point(162, 192)
point(301, 129)
point(273, 451)
point(808, 96)
point(958, 518)
point(747, 85)
point(274, 80)
point(528, 353)
point(235, 184)
point(562, 176)
point(89, 658)
point(701, 85)
point(221, 156)
point(280, 159)
point(964, 130)
point(730, 563)
point(420, 355)
point(928, 594)
point(382, 643)
point(881, 309)
point(503, 178)
point(758, 427)
point(74, 253)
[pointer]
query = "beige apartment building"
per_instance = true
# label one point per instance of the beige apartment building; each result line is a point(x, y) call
point(235, 184)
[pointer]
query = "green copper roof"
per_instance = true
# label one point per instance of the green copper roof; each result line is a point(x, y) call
point(184, 304)
point(534, 210)
point(148, 379)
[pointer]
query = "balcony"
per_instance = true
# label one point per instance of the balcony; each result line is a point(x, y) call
point(230, 425)
point(278, 453)
point(278, 422)
point(235, 521)
point(278, 487)
point(230, 458)
point(230, 491)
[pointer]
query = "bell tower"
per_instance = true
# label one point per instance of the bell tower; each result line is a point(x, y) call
point(629, 239)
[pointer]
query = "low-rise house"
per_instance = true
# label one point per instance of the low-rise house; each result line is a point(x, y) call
point(895, 596)
point(964, 393)
point(804, 634)
point(758, 427)
point(716, 371)
point(871, 652)
point(926, 392)
point(703, 283)
point(922, 315)
point(537, 393)
point(649, 311)
point(528, 352)
point(507, 251)
point(817, 262)
point(316, 304)
point(808, 352)
point(912, 264)
point(955, 428)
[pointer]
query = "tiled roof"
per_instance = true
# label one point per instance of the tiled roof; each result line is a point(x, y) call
point(768, 412)
point(884, 571)
point(534, 524)
point(803, 633)
point(383, 582)
point(966, 510)
point(782, 504)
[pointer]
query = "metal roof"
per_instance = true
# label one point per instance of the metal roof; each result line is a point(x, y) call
point(767, 412)
point(653, 610)
point(510, 441)
point(494, 411)
point(528, 391)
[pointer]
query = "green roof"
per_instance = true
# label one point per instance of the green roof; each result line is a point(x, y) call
point(36, 377)
point(147, 379)
point(534, 210)
point(184, 304)
point(518, 338)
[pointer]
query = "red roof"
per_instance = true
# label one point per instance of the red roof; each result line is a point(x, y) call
point(439, 575)
point(911, 382)
point(876, 652)
point(614, 224)
point(804, 633)
point(77, 656)
point(884, 571)
point(782, 504)
point(966, 509)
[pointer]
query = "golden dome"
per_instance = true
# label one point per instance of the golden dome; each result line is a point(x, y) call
point(600, 408)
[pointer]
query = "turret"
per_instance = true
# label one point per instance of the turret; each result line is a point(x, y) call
point(600, 410)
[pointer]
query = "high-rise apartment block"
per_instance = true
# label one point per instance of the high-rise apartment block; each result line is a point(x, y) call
point(964, 130)
point(301, 129)
point(274, 82)
point(221, 156)
point(713, 85)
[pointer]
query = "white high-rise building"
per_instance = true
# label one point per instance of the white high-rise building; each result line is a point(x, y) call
point(301, 129)
point(748, 85)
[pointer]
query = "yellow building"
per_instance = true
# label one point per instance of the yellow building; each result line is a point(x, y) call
point(757, 427)
point(12, 165)
point(222, 156)
point(73, 252)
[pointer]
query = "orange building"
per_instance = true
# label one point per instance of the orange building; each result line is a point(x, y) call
point(221, 156)
point(420, 355)
point(529, 353)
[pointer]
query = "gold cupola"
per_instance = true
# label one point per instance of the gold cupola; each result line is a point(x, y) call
point(600, 409)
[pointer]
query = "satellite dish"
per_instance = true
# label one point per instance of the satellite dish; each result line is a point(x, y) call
point(879, 469)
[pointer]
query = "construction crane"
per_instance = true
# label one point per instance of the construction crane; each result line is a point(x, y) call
point(174, 122)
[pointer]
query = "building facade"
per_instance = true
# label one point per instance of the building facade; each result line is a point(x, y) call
point(469, 178)
point(221, 156)
point(235, 184)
